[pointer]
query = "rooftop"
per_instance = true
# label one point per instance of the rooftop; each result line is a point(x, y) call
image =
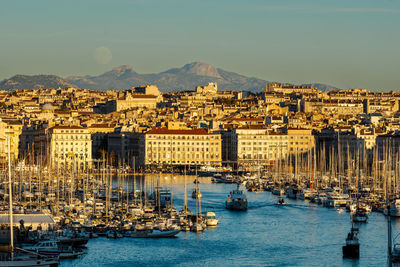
point(158, 130)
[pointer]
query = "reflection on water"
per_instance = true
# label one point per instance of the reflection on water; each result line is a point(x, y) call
point(298, 234)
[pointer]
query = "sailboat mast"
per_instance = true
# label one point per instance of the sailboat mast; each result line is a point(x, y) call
point(185, 201)
point(10, 199)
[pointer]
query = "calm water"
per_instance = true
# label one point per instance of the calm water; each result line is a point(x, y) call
point(299, 234)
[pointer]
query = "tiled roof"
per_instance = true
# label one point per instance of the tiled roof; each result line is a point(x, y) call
point(67, 127)
point(158, 130)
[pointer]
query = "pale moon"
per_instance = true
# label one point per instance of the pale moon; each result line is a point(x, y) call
point(102, 55)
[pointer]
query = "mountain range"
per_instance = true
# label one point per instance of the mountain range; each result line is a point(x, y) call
point(125, 77)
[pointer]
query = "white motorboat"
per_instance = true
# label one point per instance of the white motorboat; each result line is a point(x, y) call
point(236, 200)
point(45, 245)
point(306, 193)
point(353, 207)
point(360, 215)
point(336, 201)
point(211, 219)
point(53, 248)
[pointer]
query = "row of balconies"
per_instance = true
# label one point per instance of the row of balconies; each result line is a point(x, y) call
point(155, 149)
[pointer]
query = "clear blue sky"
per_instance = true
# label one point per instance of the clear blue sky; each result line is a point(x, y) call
point(345, 43)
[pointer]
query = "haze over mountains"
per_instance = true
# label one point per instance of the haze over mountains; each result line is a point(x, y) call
point(124, 77)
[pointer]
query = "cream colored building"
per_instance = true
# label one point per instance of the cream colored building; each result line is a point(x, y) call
point(300, 140)
point(192, 100)
point(146, 96)
point(9, 129)
point(70, 146)
point(381, 106)
point(288, 89)
point(254, 146)
point(337, 107)
point(136, 101)
point(179, 147)
point(210, 89)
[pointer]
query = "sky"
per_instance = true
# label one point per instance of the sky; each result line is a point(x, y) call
point(344, 43)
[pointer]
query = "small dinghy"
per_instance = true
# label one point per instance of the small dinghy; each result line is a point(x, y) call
point(281, 201)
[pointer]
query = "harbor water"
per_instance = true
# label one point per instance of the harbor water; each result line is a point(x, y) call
point(298, 234)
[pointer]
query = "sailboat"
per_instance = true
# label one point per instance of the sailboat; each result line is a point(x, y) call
point(196, 194)
point(360, 214)
point(185, 212)
point(198, 223)
point(22, 258)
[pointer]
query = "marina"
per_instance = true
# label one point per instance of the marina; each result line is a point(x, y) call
point(266, 234)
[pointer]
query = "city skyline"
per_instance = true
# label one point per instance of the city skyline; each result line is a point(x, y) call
point(346, 45)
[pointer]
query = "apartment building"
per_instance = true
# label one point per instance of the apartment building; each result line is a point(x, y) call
point(300, 140)
point(9, 129)
point(180, 147)
point(338, 107)
point(289, 89)
point(70, 146)
point(254, 145)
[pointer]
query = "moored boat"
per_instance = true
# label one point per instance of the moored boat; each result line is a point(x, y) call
point(155, 233)
point(211, 219)
point(360, 215)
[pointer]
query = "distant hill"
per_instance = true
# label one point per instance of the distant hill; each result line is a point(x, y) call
point(33, 82)
point(125, 77)
point(323, 87)
point(185, 78)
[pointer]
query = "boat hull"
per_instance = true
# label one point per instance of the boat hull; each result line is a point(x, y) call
point(236, 206)
point(155, 234)
point(212, 222)
point(31, 262)
point(360, 219)
point(74, 242)
point(351, 251)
